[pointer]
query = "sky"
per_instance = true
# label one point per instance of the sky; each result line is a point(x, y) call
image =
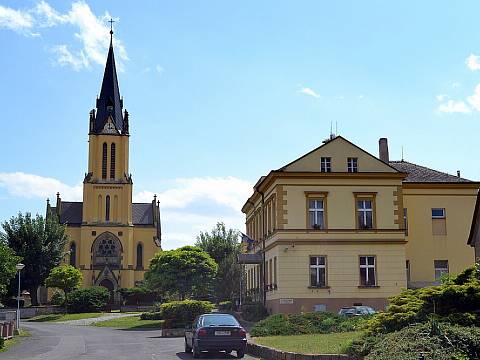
point(220, 93)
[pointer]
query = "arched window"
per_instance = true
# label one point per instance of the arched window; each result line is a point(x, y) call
point(107, 250)
point(107, 208)
point(73, 254)
point(112, 161)
point(139, 256)
point(104, 161)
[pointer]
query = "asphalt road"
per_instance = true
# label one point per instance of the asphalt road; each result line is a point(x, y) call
point(50, 341)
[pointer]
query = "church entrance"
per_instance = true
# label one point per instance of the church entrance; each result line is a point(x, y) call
point(106, 283)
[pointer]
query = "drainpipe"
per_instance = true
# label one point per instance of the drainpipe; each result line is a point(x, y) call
point(264, 279)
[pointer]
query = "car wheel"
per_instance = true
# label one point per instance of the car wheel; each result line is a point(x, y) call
point(196, 352)
point(188, 349)
point(240, 354)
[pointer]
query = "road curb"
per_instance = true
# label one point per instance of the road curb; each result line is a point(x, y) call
point(267, 353)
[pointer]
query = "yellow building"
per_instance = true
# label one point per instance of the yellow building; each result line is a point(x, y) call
point(111, 239)
point(341, 227)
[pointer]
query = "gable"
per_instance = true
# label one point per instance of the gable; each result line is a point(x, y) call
point(338, 149)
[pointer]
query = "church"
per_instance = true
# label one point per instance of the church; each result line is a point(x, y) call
point(111, 239)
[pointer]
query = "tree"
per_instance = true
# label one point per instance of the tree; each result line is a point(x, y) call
point(39, 242)
point(223, 246)
point(8, 260)
point(66, 278)
point(184, 272)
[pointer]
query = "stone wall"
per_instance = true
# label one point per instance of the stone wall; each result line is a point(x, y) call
point(267, 353)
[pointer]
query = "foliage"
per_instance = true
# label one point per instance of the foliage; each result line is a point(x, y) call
point(2, 343)
point(137, 295)
point(223, 246)
point(435, 341)
point(66, 278)
point(456, 301)
point(306, 323)
point(58, 298)
point(225, 306)
point(179, 313)
point(93, 299)
point(254, 311)
point(131, 323)
point(40, 242)
point(8, 260)
point(186, 272)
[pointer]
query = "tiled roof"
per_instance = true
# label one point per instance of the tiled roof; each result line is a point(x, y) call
point(142, 213)
point(417, 173)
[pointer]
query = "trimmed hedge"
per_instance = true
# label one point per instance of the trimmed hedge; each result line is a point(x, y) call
point(93, 299)
point(177, 314)
point(433, 340)
point(306, 323)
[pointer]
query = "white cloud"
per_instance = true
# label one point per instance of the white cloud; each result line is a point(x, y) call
point(16, 20)
point(188, 206)
point(473, 62)
point(90, 30)
point(310, 92)
point(441, 97)
point(474, 100)
point(452, 106)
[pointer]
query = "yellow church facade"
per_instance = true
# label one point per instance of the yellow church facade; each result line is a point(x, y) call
point(341, 227)
point(111, 239)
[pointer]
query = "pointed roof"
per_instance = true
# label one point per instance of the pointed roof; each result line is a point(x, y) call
point(109, 103)
point(421, 174)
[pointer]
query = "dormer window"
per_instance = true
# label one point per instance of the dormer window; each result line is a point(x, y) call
point(326, 164)
point(352, 164)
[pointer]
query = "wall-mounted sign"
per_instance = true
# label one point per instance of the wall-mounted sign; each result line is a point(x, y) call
point(286, 301)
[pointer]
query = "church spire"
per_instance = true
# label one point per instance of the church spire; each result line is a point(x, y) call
point(109, 103)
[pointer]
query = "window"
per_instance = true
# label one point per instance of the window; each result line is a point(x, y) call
point(407, 269)
point(441, 268)
point(73, 254)
point(439, 222)
point(365, 213)
point(104, 161)
point(275, 271)
point(405, 220)
point(318, 271)
point(139, 256)
point(112, 161)
point(325, 164)
point(367, 271)
point(107, 208)
point(352, 165)
point(438, 213)
point(316, 213)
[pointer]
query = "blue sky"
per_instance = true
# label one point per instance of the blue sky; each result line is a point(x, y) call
point(220, 92)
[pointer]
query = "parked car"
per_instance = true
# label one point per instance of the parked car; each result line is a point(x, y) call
point(215, 332)
point(356, 311)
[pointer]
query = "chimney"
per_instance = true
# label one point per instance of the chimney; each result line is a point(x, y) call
point(458, 173)
point(383, 150)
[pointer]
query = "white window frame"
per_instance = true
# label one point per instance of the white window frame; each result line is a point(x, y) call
point(352, 164)
point(363, 212)
point(368, 266)
point(438, 216)
point(317, 268)
point(316, 210)
point(442, 270)
point(326, 164)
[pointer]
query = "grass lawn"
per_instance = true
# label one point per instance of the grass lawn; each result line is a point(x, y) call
point(131, 323)
point(334, 343)
point(14, 340)
point(64, 317)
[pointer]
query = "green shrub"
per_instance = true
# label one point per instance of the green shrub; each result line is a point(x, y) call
point(254, 311)
point(440, 342)
point(177, 314)
point(2, 342)
point(137, 295)
point(151, 315)
point(225, 306)
point(455, 301)
point(306, 323)
point(93, 299)
point(58, 298)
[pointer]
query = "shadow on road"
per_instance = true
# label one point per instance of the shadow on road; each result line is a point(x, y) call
point(215, 355)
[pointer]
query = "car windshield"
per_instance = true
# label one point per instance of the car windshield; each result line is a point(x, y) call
point(219, 320)
point(347, 311)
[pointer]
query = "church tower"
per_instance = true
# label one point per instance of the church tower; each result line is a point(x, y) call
point(112, 239)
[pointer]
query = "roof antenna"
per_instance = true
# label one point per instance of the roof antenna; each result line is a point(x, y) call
point(402, 152)
point(336, 127)
point(332, 136)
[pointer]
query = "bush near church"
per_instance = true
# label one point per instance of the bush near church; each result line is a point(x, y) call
point(93, 299)
point(137, 295)
point(306, 323)
point(177, 314)
point(58, 298)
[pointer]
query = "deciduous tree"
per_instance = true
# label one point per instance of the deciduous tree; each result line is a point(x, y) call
point(8, 260)
point(66, 278)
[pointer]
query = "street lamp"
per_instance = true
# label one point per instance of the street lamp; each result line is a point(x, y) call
point(19, 268)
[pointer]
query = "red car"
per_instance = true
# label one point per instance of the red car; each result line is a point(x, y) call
point(215, 332)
